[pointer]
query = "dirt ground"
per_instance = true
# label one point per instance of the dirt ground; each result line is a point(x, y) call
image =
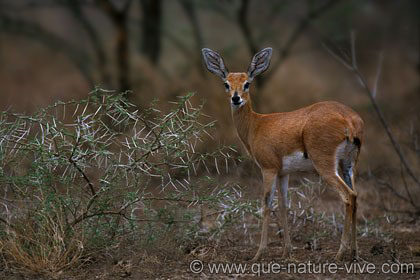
point(383, 239)
point(167, 265)
point(402, 245)
point(389, 247)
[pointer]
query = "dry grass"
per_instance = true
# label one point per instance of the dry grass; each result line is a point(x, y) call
point(39, 245)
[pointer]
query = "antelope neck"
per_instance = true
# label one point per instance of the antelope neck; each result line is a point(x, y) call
point(243, 119)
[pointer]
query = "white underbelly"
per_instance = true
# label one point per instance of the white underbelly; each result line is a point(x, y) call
point(296, 162)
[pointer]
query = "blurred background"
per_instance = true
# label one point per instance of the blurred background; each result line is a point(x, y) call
point(61, 49)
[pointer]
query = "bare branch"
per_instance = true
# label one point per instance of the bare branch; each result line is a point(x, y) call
point(190, 10)
point(353, 49)
point(75, 6)
point(300, 28)
point(378, 74)
point(6, 222)
point(338, 58)
point(363, 82)
point(84, 176)
point(392, 189)
point(410, 197)
point(244, 26)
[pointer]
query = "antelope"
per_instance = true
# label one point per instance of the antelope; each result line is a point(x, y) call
point(325, 137)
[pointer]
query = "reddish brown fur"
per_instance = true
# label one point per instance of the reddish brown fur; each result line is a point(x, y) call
point(317, 130)
point(269, 137)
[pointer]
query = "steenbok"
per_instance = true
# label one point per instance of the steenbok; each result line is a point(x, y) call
point(325, 137)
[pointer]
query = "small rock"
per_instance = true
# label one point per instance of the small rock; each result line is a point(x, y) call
point(377, 249)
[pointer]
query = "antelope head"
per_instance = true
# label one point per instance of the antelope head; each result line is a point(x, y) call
point(237, 84)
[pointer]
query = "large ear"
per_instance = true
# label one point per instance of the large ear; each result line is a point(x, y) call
point(259, 63)
point(214, 63)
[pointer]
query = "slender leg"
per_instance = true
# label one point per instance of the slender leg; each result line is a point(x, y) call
point(327, 170)
point(344, 245)
point(349, 198)
point(347, 167)
point(326, 150)
point(354, 249)
point(283, 207)
point(269, 183)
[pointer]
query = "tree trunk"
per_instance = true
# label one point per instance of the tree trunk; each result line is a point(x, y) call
point(122, 52)
point(76, 8)
point(150, 44)
point(119, 18)
point(190, 11)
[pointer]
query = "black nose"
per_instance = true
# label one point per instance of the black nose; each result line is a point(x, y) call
point(236, 99)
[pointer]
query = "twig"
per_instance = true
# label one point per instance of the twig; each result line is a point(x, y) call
point(74, 163)
point(76, 9)
point(301, 27)
point(244, 26)
point(107, 213)
point(406, 212)
point(389, 187)
point(6, 223)
point(170, 199)
point(190, 11)
point(406, 188)
point(378, 74)
point(354, 68)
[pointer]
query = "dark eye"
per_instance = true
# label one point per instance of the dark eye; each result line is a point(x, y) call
point(246, 86)
point(227, 87)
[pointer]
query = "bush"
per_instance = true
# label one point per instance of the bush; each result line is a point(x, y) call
point(78, 176)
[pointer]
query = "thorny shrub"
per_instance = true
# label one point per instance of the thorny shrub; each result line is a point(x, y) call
point(78, 176)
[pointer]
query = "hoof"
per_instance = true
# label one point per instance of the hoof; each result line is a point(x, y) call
point(257, 255)
point(287, 253)
point(339, 256)
point(255, 258)
point(359, 259)
point(354, 255)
